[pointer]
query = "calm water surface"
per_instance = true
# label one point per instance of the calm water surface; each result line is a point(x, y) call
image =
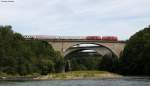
point(127, 81)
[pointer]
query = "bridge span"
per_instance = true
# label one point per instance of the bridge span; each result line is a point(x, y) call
point(65, 46)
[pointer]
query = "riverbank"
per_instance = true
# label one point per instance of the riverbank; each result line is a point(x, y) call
point(78, 75)
point(66, 76)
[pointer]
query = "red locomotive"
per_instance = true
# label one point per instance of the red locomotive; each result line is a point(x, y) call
point(105, 38)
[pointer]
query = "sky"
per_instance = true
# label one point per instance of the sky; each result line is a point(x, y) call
point(121, 18)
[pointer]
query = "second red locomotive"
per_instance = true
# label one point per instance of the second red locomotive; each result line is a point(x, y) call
point(105, 38)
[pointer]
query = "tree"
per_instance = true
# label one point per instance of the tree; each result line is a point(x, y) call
point(109, 63)
point(20, 56)
point(83, 61)
point(136, 55)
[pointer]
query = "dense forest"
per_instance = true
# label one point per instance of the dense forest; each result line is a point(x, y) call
point(21, 57)
point(136, 55)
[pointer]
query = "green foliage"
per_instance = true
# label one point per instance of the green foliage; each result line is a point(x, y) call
point(90, 61)
point(109, 63)
point(83, 61)
point(19, 56)
point(136, 55)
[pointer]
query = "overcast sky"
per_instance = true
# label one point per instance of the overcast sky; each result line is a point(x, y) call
point(120, 18)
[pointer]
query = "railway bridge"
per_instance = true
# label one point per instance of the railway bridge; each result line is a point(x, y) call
point(68, 46)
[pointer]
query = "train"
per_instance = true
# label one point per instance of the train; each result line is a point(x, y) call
point(103, 38)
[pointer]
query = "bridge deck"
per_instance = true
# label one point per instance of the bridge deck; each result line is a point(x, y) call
point(80, 40)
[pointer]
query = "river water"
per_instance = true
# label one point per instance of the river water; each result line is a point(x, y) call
point(126, 81)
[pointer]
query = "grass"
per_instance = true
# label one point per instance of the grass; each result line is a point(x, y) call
point(64, 76)
point(80, 75)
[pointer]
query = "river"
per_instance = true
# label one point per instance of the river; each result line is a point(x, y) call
point(125, 81)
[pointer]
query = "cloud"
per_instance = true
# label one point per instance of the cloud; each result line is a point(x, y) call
point(77, 17)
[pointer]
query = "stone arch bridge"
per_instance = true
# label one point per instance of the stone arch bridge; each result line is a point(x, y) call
point(66, 46)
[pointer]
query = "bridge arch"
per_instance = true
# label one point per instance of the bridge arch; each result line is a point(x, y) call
point(99, 48)
point(64, 45)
